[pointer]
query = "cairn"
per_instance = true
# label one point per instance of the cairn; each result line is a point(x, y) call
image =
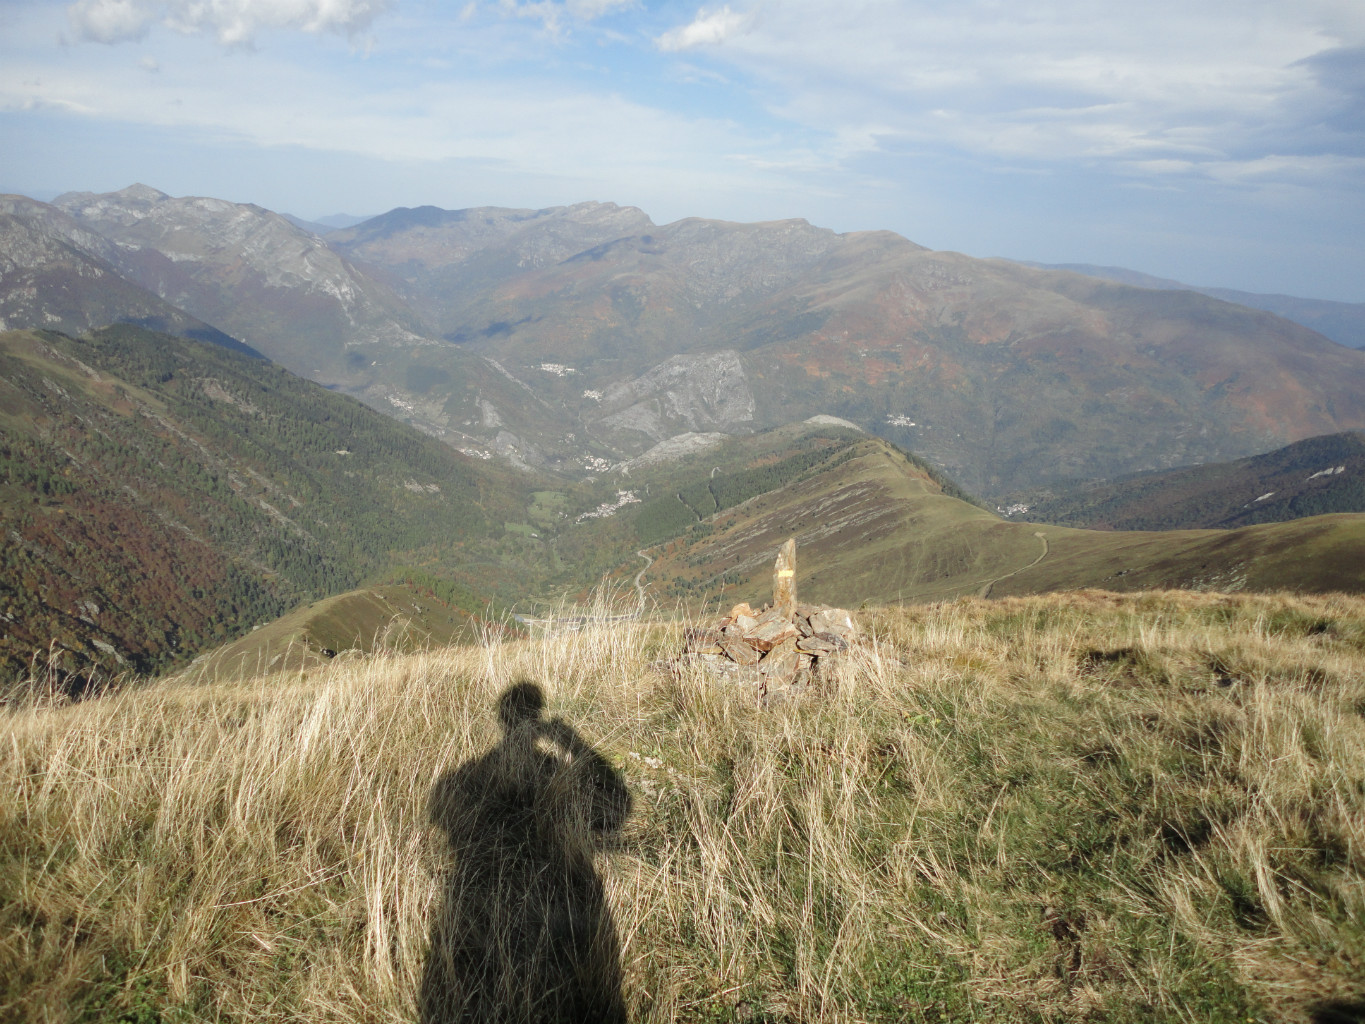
point(780, 647)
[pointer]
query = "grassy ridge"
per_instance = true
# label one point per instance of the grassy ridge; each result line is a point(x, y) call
point(1078, 807)
point(874, 526)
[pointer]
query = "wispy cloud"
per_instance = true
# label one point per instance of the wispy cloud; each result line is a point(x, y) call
point(232, 22)
point(553, 13)
point(1066, 81)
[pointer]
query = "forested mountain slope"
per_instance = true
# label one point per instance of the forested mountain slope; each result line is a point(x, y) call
point(159, 494)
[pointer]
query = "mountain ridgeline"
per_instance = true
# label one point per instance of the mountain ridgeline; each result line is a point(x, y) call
point(564, 388)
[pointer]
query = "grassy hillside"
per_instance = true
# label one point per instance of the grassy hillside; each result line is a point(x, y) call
point(1318, 476)
point(160, 494)
point(1074, 808)
point(874, 525)
point(416, 613)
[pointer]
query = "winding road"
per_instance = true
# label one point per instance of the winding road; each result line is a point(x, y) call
point(639, 585)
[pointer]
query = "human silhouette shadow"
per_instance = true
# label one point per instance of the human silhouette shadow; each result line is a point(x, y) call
point(523, 934)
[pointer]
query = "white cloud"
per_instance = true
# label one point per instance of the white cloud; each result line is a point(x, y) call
point(110, 21)
point(605, 145)
point(708, 28)
point(232, 22)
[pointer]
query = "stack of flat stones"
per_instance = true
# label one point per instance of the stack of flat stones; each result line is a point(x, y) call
point(780, 647)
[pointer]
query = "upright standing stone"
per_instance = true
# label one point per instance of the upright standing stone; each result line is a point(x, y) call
point(784, 581)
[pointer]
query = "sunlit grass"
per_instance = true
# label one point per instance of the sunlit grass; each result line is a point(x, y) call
point(1147, 807)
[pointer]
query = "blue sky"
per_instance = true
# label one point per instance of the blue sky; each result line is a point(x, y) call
point(1220, 142)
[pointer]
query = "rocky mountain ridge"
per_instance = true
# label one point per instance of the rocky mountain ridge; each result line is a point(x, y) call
point(573, 338)
point(249, 271)
point(58, 275)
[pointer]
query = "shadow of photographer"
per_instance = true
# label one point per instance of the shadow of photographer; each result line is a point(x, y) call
point(523, 932)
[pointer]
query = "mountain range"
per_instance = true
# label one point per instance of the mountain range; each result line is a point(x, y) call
point(576, 337)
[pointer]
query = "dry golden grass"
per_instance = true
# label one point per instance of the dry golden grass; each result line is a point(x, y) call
point(1147, 807)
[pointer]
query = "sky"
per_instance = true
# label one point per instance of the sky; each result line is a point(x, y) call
point(1217, 142)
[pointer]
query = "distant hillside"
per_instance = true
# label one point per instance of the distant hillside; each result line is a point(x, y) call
point(874, 525)
point(1343, 322)
point(417, 612)
point(160, 495)
point(1309, 478)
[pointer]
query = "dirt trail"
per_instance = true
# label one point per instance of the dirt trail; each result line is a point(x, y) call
point(639, 586)
point(985, 591)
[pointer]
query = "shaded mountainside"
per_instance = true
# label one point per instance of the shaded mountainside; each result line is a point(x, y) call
point(1309, 478)
point(159, 494)
point(58, 276)
point(573, 336)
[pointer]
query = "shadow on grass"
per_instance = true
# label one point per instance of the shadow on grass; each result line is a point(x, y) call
point(523, 933)
point(1339, 1011)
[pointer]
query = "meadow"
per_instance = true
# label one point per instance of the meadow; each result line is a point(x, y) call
point(1077, 807)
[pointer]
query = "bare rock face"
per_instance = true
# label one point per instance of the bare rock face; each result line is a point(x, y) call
point(684, 393)
point(772, 629)
point(781, 649)
point(833, 620)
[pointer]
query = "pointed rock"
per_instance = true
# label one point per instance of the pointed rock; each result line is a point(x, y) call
point(784, 580)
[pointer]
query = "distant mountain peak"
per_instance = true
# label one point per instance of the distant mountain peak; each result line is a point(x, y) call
point(146, 193)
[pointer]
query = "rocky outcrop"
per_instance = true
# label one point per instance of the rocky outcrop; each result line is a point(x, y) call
point(681, 446)
point(684, 393)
